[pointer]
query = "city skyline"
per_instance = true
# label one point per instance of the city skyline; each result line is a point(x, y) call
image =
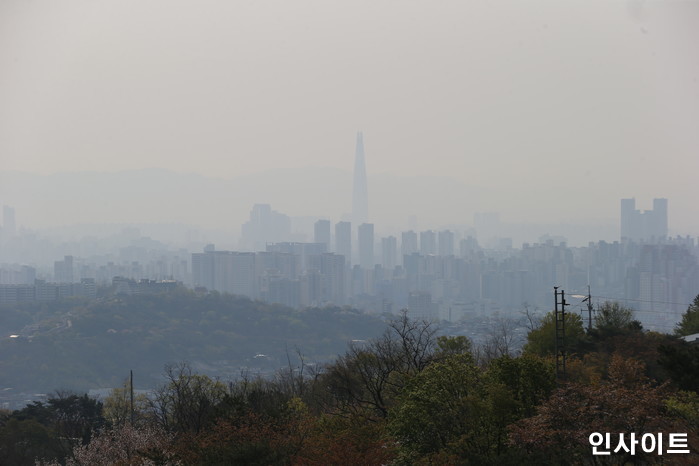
point(304, 193)
point(543, 112)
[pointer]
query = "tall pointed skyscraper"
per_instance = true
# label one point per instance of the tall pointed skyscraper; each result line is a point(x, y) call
point(360, 195)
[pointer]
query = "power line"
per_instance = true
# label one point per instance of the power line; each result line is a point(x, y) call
point(648, 311)
point(643, 301)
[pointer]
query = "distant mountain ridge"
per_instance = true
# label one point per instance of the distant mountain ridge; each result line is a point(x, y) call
point(161, 195)
point(396, 203)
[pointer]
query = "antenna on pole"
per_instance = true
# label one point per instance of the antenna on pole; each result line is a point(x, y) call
point(559, 320)
point(590, 310)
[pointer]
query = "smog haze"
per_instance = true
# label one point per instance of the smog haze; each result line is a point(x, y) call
point(544, 112)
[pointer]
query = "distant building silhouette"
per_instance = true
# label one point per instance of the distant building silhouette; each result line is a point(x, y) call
point(265, 226)
point(15, 274)
point(408, 243)
point(468, 246)
point(420, 305)
point(389, 252)
point(63, 270)
point(360, 195)
point(40, 290)
point(321, 233)
point(301, 250)
point(366, 245)
point(343, 240)
point(446, 243)
point(225, 271)
point(9, 226)
point(648, 226)
point(428, 242)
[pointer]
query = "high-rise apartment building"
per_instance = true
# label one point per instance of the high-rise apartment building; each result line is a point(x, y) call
point(366, 245)
point(408, 243)
point(343, 240)
point(265, 226)
point(332, 270)
point(321, 233)
point(446, 243)
point(428, 242)
point(63, 270)
point(648, 226)
point(389, 252)
point(420, 305)
point(226, 272)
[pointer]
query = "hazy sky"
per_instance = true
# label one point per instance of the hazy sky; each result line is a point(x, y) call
point(599, 100)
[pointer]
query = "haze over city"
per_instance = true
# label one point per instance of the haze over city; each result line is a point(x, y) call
point(546, 113)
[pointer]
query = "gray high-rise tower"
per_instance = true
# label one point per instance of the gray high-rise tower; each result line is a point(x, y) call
point(650, 225)
point(360, 196)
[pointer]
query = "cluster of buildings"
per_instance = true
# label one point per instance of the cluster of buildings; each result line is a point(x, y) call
point(435, 274)
point(41, 290)
point(76, 277)
point(293, 274)
point(426, 274)
point(447, 275)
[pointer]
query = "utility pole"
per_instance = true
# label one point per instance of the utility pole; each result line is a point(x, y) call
point(131, 390)
point(590, 310)
point(559, 319)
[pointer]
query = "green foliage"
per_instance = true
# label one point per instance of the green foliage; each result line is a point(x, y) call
point(454, 412)
point(681, 361)
point(22, 441)
point(613, 319)
point(686, 406)
point(404, 397)
point(439, 406)
point(529, 378)
point(541, 341)
point(690, 320)
point(49, 430)
point(117, 406)
point(448, 346)
point(76, 416)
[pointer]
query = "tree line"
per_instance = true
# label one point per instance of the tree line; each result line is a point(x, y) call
point(408, 396)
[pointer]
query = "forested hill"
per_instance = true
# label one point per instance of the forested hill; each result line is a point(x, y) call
point(79, 345)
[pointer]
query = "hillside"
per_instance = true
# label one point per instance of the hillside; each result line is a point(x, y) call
point(81, 345)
